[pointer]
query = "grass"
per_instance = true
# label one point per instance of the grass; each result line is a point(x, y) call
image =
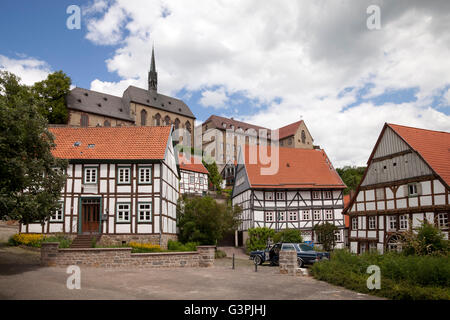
point(402, 277)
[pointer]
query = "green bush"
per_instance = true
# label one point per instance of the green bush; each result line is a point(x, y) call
point(219, 254)
point(288, 235)
point(402, 277)
point(425, 239)
point(258, 237)
point(178, 246)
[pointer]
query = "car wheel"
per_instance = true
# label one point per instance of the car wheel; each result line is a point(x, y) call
point(257, 260)
point(301, 264)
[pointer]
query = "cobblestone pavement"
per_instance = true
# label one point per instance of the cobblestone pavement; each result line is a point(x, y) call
point(21, 277)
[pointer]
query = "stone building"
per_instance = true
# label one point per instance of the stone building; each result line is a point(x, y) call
point(136, 107)
point(406, 182)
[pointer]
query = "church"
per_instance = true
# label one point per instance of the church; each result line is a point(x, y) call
point(136, 107)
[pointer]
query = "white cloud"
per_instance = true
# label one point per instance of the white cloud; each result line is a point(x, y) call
point(303, 52)
point(30, 70)
point(447, 98)
point(214, 98)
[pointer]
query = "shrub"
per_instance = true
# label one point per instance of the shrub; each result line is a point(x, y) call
point(402, 277)
point(27, 239)
point(326, 234)
point(428, 239)
point(288, 235)
point(64, 241)
point(178, 246)
point(219, 254)
point(258, 237)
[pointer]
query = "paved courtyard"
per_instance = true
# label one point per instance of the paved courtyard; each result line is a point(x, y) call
point(21, 277)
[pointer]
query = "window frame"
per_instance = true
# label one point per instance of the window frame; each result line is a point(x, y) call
point(317, 212)
point(118, 169)
point(281, 193)
point(326, 193)
point(403, 219)
point(53, 220)
point(266, 194)
point(96, 175)
point(330, 213)
point(372, 222)
point(281, 216)
point(355, 223)
point(316, 193)
point(139, 212)
point(392, 221)
point(139, 174)
point(443, 216)
point(307, 213)
point(293, 215)
point(268, 214)
point(414, 185)
point(129, 212)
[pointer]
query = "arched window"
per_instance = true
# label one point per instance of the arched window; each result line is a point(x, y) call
point(188, 126)
point(84, 121)
point(157, 119)
point(303, 136)
point(167, 120)
point(394, 243)
point(106, 123)
point(176, 123)
point(143, 117)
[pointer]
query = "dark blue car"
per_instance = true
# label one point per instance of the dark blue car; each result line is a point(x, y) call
point(305, 254)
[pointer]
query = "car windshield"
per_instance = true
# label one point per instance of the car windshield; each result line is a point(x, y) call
point(305, 247)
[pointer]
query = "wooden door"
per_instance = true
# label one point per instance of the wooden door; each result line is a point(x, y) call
point(90, 215)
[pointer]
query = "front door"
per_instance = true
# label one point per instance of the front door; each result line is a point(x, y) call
point(90, 215)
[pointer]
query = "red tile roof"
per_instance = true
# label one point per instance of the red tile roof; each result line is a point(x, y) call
point(288, 130)
point(127, 143)
point(190, 164)
point(433, 146)
point(298, 168)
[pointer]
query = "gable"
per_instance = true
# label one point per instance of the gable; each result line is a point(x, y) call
point(390, 143)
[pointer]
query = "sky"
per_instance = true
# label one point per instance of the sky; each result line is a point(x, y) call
point(268, 63)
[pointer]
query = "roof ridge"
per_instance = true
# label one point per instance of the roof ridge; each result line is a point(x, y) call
point(403, 126)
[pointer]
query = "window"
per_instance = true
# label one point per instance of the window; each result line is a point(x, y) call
point(269, 216)
point(327, 194)
point(337, 236)
point(372, 222)
point(316, 195)
point(282, 216)
point(84, 121)
point(167, 120)
point(188, 126)
point(443, 220)
point(145, 212)
point(354, 223)
point(58, 215)
point(412, 190)
point(292, 215)
point(107, 123)
point(177, 123)
point(269, 195)
point(403, 222)
point(145, 175)
point(290, 141)
point(372, 246)
point(191, 179)
point(200, 180)
point(123, 175)
point(392, 222)
point(280, 195)
point(143, 117)
point(303, 137)
point(123, 212)
point(380, 194)
point(157, 119)
point(306, 215)
point(316, 214)
point(90, 175)
point(328, 214)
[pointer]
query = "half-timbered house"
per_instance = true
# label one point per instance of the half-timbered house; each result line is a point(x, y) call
point(406, 182)
point(304, 191)
point(122, 184)
point(193, 175)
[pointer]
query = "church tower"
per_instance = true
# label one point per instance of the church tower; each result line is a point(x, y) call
point(153, 75)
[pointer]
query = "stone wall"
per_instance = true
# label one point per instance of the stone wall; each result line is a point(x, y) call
point(288, 262)
point(51, 255)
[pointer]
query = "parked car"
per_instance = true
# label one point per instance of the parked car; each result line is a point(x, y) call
point(305, 254)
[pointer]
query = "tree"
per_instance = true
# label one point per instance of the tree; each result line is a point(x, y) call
point(214, 175)
point(50, 95)
point(30, 187)
point(203, 220)
point(425, 239)
point(351, 176)
point(326, 235)
point(288, 235)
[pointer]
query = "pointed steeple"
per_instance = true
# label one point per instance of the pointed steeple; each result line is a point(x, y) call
point(153, 75)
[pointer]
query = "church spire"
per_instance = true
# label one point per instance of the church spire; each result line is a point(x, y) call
point(153, 75)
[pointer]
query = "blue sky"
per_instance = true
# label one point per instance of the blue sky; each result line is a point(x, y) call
point(269, 65)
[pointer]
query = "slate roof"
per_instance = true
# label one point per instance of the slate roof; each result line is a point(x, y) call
point(190, 164)
point(220, 121)
point(119, 107)
point(111, 143)
point(298, 168)
point(433, 146)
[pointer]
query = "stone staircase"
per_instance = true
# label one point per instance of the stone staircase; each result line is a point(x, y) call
point(85, 240)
